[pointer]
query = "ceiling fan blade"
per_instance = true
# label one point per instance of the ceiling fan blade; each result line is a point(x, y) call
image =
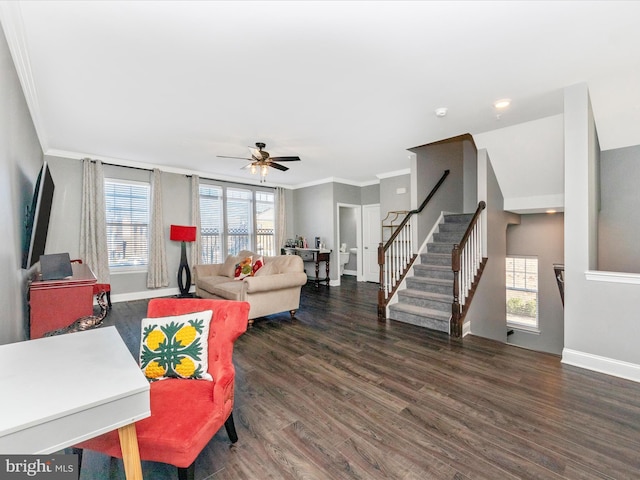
point(286, 159)
point(278, 166)
point(239, 158)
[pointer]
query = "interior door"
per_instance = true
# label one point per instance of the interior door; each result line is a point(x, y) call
point(371, 235)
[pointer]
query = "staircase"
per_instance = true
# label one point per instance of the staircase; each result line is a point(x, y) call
point(428, 296)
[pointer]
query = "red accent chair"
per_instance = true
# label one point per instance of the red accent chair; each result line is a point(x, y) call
point(186, 414)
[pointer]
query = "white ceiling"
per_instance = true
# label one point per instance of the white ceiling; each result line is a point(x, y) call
point(347, 86)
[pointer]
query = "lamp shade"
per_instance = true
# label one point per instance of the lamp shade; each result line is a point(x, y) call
point(181, 233)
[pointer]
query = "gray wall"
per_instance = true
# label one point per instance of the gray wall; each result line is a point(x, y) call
point(390, 200)
point(314, 216)
point(618, 221)
point(431, 162)
point(370, 194)
point(541, 236)
point(601, 319)
point(470, 176)
point(487, 316)
point(20, 161)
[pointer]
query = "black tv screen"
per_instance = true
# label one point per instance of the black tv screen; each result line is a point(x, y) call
point(37, 222)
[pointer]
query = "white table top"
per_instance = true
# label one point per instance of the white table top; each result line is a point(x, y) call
point(58, 391)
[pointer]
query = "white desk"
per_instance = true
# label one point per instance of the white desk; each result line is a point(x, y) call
point(58, 391)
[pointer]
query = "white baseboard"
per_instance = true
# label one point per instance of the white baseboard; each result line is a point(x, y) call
point(596, 363)
point(350, 272)
point(160, 292)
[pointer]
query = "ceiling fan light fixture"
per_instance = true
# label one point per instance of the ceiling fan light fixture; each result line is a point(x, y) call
point(253, 168)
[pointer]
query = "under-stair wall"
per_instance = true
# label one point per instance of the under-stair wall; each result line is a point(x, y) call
point(487, 316)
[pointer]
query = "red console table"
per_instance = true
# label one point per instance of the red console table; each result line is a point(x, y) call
point(55, 304)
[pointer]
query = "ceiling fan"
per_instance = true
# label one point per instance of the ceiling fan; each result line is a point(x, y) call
point(261, 161)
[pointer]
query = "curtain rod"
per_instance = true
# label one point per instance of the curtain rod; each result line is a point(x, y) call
point(186, 175)
point(229, 181)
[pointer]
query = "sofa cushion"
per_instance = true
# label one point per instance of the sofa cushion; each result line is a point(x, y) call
point(175, 346)
point(230, 290)
point(229, 267)
point(209, 283)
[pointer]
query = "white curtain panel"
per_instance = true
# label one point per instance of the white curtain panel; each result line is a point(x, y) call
point(93, 224)
point(194, 256)
point(281, 219)
point(157, 275)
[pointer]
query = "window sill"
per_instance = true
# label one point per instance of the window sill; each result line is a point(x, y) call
point(523, 328)
point(124, 270)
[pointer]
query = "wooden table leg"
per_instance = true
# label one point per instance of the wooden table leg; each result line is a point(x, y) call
point(130, 452)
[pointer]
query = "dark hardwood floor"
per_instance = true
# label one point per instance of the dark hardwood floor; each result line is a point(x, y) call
point(335, 394)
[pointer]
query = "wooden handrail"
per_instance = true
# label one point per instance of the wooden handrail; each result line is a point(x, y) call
point(481, 206)
point(400, 269)
point(418, 210)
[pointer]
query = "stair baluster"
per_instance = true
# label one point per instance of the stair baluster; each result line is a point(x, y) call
point(466, 262)
point(394, 260)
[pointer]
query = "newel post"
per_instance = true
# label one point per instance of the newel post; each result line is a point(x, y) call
point(456, 328)
point(382, 309)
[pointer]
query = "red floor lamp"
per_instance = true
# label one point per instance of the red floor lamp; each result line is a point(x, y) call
point(183, 234)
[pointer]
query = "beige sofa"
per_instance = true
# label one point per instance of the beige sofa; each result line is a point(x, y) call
point(274, 288)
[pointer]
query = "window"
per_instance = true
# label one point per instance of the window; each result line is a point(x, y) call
point(234, 219)
point(211, 226)
point(127, 212)
point(265, 223)
point(239, 220)
point(522, 292)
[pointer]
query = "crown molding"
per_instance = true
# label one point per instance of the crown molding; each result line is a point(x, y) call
point(13, 26)
point(396, 173)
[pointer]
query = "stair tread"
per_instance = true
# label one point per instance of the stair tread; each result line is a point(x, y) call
point(439, 281)
point(421, 311)
point(427, 295)
point(424, 266)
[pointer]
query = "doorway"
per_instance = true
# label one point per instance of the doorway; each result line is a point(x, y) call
point(349, 234)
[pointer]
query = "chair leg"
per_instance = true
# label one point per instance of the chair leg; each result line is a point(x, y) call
point(109, 299)
point(293, 314)
point(231, 429)
point(78, 451)
point(188, 473)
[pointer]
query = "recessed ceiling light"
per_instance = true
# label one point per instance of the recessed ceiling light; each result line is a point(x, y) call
point(504, 103)
point(441, 112)
point(551, 211)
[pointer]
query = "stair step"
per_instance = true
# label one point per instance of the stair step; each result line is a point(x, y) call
point(452, 227)
point(434, 301)
point(448, 237)
point(458, 218)
point(433, 271)
point(437, 247)
point(420, 316)
point(433, 285)
point(440, 259)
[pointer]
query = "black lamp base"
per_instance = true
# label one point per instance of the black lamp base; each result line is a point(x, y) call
point(184, 284)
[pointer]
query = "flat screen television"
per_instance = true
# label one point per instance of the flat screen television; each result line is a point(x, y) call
point(37, 221)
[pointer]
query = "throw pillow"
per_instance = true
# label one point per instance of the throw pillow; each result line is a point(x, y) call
point(244, 268)
point(176, 346)
point(257, 265)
